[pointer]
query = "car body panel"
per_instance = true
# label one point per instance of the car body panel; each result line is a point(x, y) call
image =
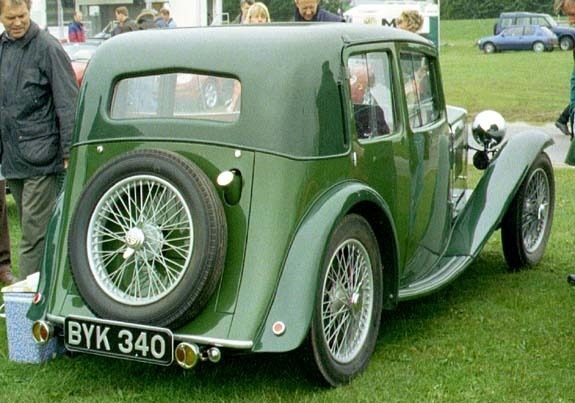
point(494, 193)
point(303, 166)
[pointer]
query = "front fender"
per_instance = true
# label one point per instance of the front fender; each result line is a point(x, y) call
point(495, 191)
point(293, 303)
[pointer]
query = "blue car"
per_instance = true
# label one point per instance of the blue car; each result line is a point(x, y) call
point(520, 37)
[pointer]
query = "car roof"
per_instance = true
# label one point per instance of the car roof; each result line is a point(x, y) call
point(291, 76)
point(522, 14)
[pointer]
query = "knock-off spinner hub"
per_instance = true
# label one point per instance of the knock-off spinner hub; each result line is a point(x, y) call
point(135, 238)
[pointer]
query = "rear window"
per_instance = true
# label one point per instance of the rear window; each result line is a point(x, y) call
point(177, 95)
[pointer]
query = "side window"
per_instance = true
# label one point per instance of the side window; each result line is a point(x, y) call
point(421, 93)
point(506, 22)
point(371, 94)
point(514, 31)
point(523, 21)
point(542, 21)
point(176, 95)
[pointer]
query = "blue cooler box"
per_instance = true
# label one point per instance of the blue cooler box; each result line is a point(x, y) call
point(21, 345)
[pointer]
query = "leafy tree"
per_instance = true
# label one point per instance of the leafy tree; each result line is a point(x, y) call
point(471, 9)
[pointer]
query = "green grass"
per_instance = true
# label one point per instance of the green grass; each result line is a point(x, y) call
point(490, 336)
point(522, 86)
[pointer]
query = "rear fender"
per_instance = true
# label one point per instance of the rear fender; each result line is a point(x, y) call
point(37, 310)
point(495, 191)
point(293, 303)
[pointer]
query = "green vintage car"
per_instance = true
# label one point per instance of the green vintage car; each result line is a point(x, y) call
point(331, 185)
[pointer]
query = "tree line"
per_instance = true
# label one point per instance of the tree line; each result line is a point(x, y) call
point(473, 9)
point(283, 10)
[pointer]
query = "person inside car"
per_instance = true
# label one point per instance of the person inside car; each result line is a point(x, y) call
point(369, 117)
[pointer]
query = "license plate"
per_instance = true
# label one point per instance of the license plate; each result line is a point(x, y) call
point(117, 339)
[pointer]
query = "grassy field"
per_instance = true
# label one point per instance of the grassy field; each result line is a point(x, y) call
point(490, 336)
point(523, 86)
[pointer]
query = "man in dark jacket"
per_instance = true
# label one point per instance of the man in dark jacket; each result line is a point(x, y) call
point(38, 94)
point(309, 10)
point(125, 24)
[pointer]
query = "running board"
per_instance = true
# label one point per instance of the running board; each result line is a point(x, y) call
point(451, 267)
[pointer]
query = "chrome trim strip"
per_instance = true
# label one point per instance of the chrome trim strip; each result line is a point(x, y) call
point(237, 344)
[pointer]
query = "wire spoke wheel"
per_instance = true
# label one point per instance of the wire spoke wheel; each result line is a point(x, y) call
point(536, 210)
point(527, 223)
point(348, 304)
point(347, 301)
point(148, 239)
point(140, 240)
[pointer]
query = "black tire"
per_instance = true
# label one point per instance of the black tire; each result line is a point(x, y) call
point(489, 48)
point(538, 47)
point(527, 223)
point(566, 43)
point(352, 239)
point(147, 240)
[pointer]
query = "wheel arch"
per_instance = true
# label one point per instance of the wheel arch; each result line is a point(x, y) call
point(482, 215)
point(293, 302)
point(382, 225)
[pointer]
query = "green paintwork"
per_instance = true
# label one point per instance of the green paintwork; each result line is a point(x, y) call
point(302, 170)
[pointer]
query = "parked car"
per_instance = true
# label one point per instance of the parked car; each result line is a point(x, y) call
point(565, 34)
point(80, 54)
point(519, 37)
point(337, 189)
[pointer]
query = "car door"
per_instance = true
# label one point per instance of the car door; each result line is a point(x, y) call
point(429, 140)
point(529, 37)
point(379, 144)
point(512, 38)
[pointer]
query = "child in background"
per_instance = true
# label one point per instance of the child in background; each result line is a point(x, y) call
point(258, 14)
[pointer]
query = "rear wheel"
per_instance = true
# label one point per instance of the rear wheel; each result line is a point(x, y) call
point(526, 225)
point(348, 304)
point(538, 47)
point(489, 48)
point(566, 43)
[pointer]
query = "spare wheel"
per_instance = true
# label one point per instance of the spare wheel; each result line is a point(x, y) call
point(147, 239)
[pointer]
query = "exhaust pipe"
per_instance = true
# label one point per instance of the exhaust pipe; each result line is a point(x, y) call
point(42, 331)
point(187, 355)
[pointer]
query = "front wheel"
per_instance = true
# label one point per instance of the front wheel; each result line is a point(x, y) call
point(348, 305)
point(538, 47)
point(527, 224)
point(489, 48)
point(566, 43)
